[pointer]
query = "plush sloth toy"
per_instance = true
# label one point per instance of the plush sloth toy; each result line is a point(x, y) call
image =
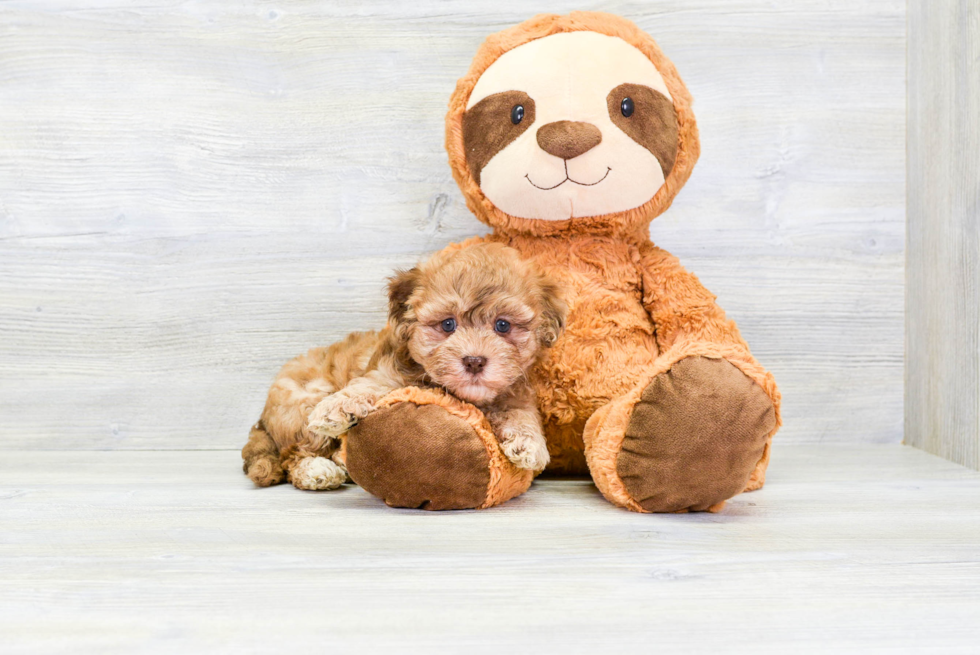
point(568, 136)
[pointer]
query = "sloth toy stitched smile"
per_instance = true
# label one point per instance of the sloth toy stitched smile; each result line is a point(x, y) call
point(568, 136)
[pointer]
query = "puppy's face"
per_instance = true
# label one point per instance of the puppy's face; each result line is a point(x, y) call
point(476, 319)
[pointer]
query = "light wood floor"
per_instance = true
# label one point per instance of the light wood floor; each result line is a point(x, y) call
point(848, 549)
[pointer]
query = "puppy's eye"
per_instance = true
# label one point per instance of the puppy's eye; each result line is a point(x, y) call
point(627, 107)
point(449, 325)
point(502, 326)
point(517, 114)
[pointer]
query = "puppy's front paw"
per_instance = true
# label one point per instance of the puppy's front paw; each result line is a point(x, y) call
point(328, 419)
point(358, 405)
point(527, 451)
point(317, 474)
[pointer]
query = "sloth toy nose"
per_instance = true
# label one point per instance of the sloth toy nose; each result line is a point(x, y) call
point(568, 139)
point(474, 364)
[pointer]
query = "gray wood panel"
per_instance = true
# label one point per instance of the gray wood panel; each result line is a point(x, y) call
point(192, 193)
point(848, 549)
point(943, 275)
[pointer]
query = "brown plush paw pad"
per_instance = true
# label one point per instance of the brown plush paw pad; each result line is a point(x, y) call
point(419, 456)
point(694, 437)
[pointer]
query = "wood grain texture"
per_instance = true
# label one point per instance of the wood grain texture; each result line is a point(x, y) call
point(193, 192)
point(848, 549)
point(943, 261)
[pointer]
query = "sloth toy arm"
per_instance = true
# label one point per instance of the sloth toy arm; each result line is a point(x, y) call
point(682, 310)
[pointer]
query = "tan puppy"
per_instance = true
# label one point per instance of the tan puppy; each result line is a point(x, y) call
point(471, 320)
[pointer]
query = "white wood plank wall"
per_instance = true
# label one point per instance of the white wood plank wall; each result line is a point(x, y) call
point(943, 277)
point(192, 192)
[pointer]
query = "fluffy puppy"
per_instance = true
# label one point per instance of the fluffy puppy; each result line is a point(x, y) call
point(471, 320)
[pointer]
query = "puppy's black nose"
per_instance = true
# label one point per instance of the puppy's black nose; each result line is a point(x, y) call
point(474, 364)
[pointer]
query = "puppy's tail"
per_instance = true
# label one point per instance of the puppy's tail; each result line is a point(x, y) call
point(261, 458)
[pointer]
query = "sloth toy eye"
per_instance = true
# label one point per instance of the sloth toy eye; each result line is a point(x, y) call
point(517, 114)
point(627, 107)
point(449, 325)
point(502, 326)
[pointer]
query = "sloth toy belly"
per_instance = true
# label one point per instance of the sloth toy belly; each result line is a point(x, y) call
point(608, 343)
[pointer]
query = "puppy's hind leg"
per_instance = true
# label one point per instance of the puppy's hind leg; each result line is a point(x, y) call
point(261, 458)
point(312, 470)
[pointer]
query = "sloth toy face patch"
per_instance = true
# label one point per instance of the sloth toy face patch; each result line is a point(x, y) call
point(571, 125)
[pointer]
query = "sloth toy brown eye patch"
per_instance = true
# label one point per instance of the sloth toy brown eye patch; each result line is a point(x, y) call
point(492, 124)
point(648, 117)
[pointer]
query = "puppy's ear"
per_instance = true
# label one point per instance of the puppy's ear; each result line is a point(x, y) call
point(400, 288)
point(554, 311)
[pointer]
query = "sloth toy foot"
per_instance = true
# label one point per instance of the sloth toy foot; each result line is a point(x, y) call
point(424, 449)
point(687, 441)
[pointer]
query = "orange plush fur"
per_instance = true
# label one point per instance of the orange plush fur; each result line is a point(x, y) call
point(634, 310)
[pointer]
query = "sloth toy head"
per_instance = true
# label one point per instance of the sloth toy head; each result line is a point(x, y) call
point(571, 123)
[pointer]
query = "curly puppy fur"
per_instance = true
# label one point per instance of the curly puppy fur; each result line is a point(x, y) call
point(473, 321)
